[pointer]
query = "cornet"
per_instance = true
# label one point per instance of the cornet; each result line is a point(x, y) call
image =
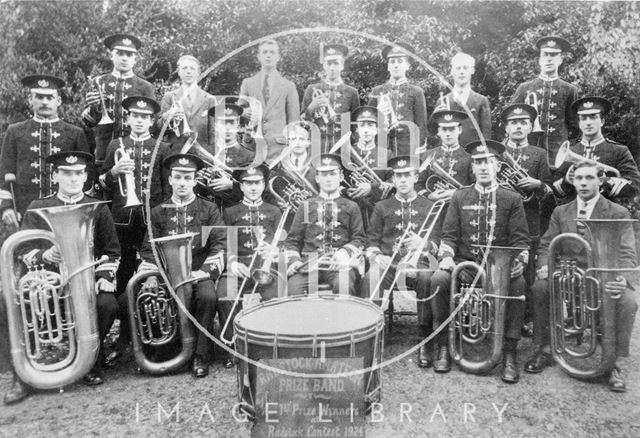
point(327, 111)
point(392, 122)
point(532, 99)
point(105, 119)
point(127, 182)
point(443, 103)
point(174, 124)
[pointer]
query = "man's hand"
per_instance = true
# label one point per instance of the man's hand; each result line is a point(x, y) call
point(542, 273)
point(52, 255)
point(517, 268)
point(447, 264)
point(92, 98)
point(151, 283)
point(104, 285)
point(293, 268)
point(123, 166)
point(616, 288)
point(441, 195)
point(239, 269)
point(412, 242)
point(9, 218)
point(318, 100)
point(221, 184)
point(384, 106)
point(529, 184)
point(341, 259)
point(383, 261)
point(200, 275)
point(360, 191)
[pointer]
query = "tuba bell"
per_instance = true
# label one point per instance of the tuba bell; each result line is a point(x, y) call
point(584, 342)
point(154, 315)
point(483, 310)
point(50, 310)
point(566, 155)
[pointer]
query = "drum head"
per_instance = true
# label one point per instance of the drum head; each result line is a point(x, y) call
point(311, 316)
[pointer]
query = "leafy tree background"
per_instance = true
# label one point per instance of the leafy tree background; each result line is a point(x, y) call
point(65, 38)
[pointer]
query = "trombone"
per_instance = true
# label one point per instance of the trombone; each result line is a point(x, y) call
point(127, 182)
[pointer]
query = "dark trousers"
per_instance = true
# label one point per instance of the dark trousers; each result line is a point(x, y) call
point(530, 277)
point(514, 309)
point(626, 308)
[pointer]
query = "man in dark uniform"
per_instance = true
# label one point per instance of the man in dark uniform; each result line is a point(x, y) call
point(256, 222)
point(132, 172)
point(398, 99)
point(70, 174)
point(553, 97)
point(182, 213)
point(518, 121)
point(449, 156)
point(116, 87)
point(483, 214)
point(27, 144)
point(588, 205)
point(591, 112)
point(327, 231)
point(405, 212)
point(325, 103)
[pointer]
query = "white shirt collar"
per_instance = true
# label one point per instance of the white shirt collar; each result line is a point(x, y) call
point(39, 120)
point(248, 203)
point(144, 137)
point(404, 201)
point(328, 197)
point(119, 75)
point(461, 94)
point(548, 78)
point(292, 160)
point(70, 199)
point(588, 206)
point(335, 83)
point(484, 191)
point(398, 82)
point(184, 203)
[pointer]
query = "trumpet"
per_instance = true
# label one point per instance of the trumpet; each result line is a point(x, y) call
point(127, 182)
point(105, 119)
point(566, 155)
point(327, 111)
point(532, 99)
point(510, 174)
point(177, 107)
point(392, 121)
point(440, 180)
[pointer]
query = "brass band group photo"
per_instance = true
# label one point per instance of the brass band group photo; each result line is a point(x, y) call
point(287, 215)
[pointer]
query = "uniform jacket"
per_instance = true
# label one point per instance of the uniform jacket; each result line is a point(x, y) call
point(282, 108)
point(105, 240)
point(24, 148)
point(481, 111)
point(197, 216)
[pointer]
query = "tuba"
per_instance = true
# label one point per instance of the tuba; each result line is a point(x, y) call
point(127, 182)
point(584, 343)
point(154, 315)
point(483, 310)
point(440, 180)
point(510, 174)
point(49, 310)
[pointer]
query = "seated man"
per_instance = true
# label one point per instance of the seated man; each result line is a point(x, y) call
point(482, 214)
point(391, 219)
point(326, 228)
point(184, 213)
point(589, 204)
point(69, 172)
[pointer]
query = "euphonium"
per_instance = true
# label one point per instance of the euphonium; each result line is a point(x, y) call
point(154, 315)
point(360, 172)
point(440, 180)
point(327, 111)
point(532, 100)
point(483, 310)
point(105, 119)
point(45, 308)
point(290, 193)
point(510, 174)
point(192, 146)
point(127, 182)
point(580, 293)
point(566, 155)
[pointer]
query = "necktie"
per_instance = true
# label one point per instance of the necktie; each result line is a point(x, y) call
point(188, 100)
point(581, 227)
point(265, 88)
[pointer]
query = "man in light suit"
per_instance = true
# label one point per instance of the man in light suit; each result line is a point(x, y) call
point(589, 204)
point(192, 105)
point(278, 97)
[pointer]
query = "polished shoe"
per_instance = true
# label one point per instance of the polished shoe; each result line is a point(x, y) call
point(538, 362)
point(616, 381)
point(510, 373)
point(200, 367)
point(527, 330)
point(228, 363)
point(425, 358)
point(18, 392)
point(93, 378)
point(443, 362)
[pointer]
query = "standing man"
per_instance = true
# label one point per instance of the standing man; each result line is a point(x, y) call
point(115, 88)
point(326, 228)
point(391, 218)
point(589, 204)
point(462, 97)
point(27, 144)
point(70, 174)
point(190, 105)
point(483, 214)
point(400, 102)
point(185, 213)
point(551, 97)
point(278, 97)
point(324, 103)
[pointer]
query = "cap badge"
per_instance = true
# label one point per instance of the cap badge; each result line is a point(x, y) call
point(331, 51)
point(71, 159)
point(517, 110)
point(183, 161)
point(326, 161)
point(43, 83)
point(551, 43)
point(481, 148)
point(588, 104)
point(127, 42)
point(251, 171)
point(448, 117)
point(228, 112)
point(141, 103)
point(367, 114)
point(402, 163)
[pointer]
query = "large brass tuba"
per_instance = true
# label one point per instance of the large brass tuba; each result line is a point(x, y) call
point(49, 310)
point(483, 311)
point(579, 293)
point(154, 315)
